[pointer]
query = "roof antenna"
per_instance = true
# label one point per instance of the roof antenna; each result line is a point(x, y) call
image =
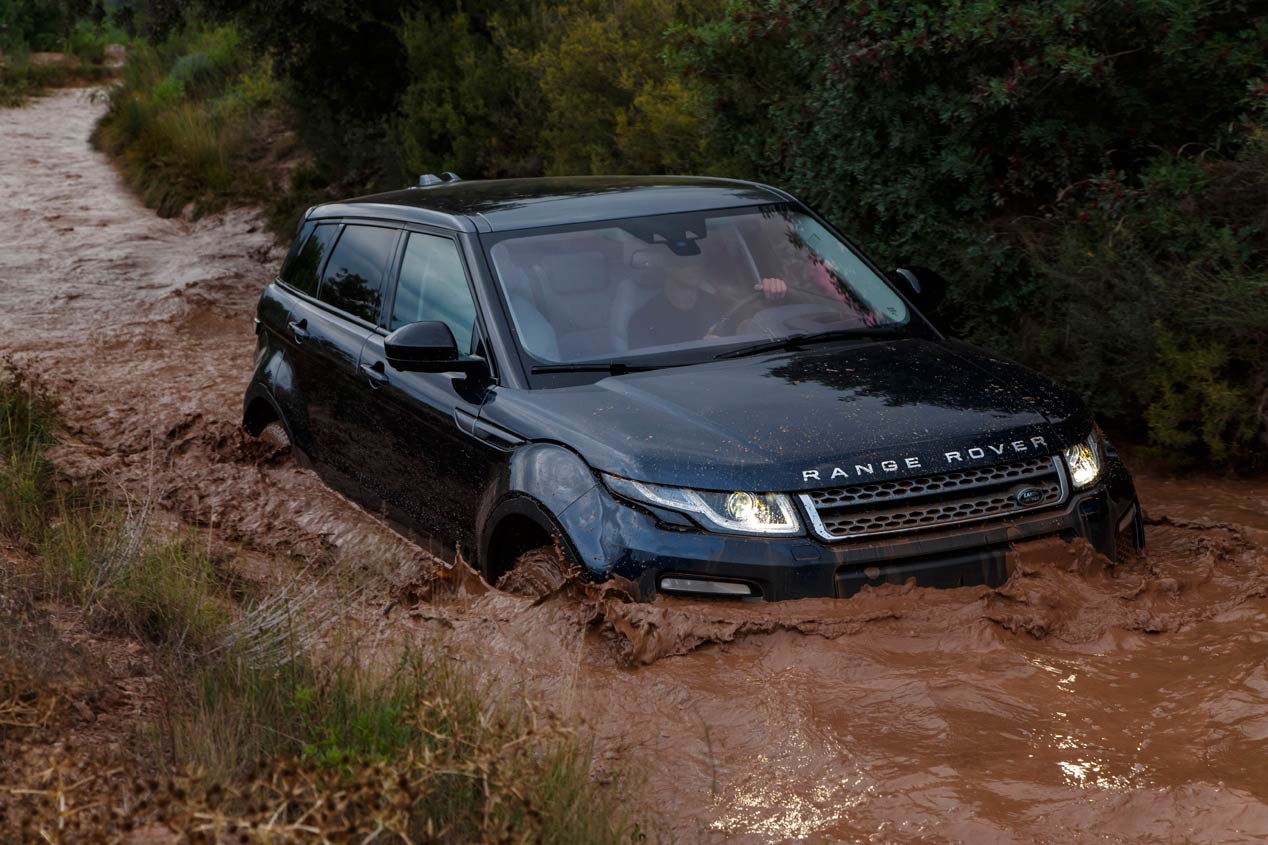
point(427, 180)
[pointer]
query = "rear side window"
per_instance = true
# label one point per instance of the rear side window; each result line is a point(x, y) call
point(300, 239)
point(302, 270)
point(433, 286)
point(353, 280)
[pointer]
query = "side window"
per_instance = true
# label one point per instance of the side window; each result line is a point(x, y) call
point(301, 238)
point(433, 286)
point(300, 272)
point(353, 280)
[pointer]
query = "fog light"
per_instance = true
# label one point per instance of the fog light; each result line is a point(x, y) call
point(702, 587)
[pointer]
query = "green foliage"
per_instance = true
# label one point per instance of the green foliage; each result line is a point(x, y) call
point(343, 66)
point(937, 135)
point(417, 750)
point(1152, 301)
point(527, 88)
point(466, 108)
point(185, 123)
point(39, 25)
point(93, 553)
point(615, 103)
point(1044, 155)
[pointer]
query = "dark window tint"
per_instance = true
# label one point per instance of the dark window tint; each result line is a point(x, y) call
point(353, 280)
point(434, 287)
point(300, 239)
point(302, 271)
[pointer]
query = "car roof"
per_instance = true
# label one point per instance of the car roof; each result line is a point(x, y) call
point(496, 205)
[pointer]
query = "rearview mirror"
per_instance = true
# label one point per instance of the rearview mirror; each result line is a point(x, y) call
point(428, 347)
point(924, 287)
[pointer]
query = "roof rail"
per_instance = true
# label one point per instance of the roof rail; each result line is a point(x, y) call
point(428, 180)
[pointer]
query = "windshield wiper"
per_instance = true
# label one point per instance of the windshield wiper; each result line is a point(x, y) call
point(796, 341)
point(614, 368)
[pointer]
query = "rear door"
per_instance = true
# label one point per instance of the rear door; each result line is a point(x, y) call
point(287, 317)
point(331, 330)
point(434, 472)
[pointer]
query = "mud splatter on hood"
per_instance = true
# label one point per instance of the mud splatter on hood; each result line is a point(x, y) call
point(761, 422)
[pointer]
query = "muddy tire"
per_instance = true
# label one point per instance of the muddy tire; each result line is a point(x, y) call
point(535, 573)
point(275, 435)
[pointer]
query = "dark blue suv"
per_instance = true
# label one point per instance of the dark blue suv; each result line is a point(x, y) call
point(695, 384)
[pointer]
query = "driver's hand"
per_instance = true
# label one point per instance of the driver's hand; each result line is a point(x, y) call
point(773, 288)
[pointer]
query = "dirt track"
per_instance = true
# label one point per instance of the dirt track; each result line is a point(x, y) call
point(1078, 703)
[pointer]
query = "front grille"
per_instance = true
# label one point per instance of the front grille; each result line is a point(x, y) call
point(933, 501)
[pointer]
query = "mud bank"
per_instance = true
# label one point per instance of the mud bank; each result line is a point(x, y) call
point(1080, 702)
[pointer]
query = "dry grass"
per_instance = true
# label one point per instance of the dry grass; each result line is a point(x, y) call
point(270, 728)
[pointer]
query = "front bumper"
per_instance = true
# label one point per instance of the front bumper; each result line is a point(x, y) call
point(614, 538)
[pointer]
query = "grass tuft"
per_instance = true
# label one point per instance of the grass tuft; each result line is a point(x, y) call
point(260, 730)
point(93, 553)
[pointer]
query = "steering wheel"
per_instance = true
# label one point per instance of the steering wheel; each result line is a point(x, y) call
point(727, 323)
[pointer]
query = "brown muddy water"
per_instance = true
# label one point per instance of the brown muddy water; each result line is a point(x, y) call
point(1081, 702)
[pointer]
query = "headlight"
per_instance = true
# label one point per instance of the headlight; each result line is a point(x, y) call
point(740, 512)
point(1084, 461)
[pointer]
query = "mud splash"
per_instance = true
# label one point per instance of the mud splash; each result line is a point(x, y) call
point(1082, 701)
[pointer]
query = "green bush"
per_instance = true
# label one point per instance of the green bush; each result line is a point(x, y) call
point(614, 101)
point(465, 107)
point(1155, 301)
point(526, 88)
point(1047, 155)
point(185, 119)
point(938, 135)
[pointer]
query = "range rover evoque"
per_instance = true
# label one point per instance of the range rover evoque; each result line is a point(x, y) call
point(694, 384)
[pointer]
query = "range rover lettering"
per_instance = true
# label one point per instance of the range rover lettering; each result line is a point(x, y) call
point(697, 385)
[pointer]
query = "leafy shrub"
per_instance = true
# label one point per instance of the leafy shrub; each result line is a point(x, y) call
point(614, 102)
point(939, 137)
point(1154, 301)
point(184, 121)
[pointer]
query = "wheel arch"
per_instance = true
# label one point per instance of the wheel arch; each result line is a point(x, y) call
point(258, 413)
point(519, 524)
point(259, 408)
point(543, 480)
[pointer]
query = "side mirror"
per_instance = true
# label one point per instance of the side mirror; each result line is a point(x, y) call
point(925, 287)
point(429, 347)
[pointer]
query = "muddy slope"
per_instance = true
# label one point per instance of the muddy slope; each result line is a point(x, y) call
point(1081, 702)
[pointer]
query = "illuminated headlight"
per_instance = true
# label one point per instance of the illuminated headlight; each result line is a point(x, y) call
point(1084, 461)
point(740, 512)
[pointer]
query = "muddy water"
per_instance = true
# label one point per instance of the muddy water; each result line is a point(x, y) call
point(1081, 702)
point(141, 327)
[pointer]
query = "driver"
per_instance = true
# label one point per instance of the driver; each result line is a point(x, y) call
point(686, 308)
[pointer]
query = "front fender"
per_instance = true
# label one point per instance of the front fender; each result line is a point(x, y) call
point(543, 482)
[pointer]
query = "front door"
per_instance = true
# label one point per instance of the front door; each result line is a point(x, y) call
point(434, 472)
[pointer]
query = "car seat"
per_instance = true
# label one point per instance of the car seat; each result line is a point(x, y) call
point(576, 299)
point(536, 333)
point(631, 295)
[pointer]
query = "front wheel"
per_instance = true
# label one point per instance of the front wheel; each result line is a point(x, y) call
point(536, 573)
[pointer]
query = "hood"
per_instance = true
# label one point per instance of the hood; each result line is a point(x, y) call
point(825, 416)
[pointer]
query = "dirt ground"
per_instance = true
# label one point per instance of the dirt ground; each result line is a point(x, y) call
point(1080, 702)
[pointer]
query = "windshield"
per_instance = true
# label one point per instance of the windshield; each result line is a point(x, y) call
point(623, 289)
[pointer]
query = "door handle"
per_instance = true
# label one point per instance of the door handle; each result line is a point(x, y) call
point(374, 372)
point(299, 330)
